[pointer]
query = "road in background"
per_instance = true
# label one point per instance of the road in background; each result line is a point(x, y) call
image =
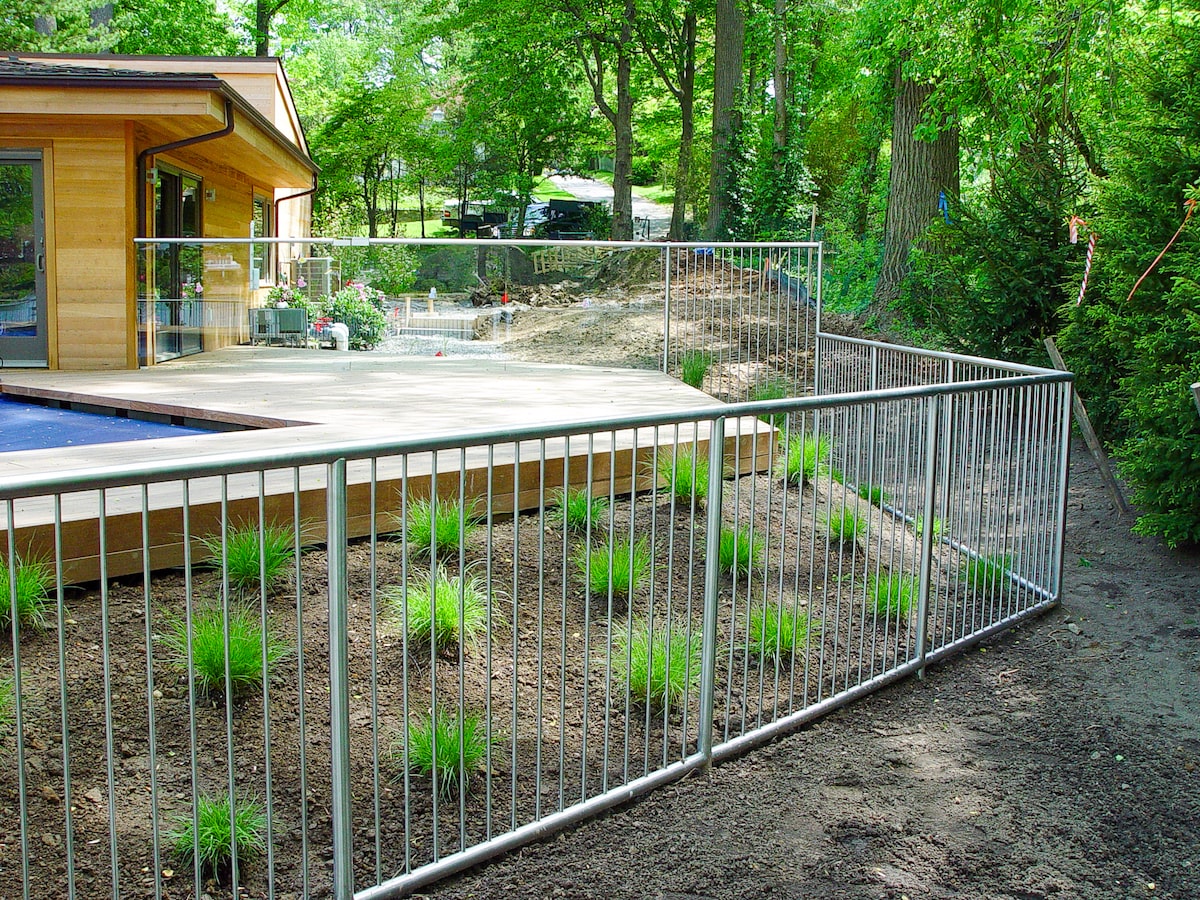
point(658, 214)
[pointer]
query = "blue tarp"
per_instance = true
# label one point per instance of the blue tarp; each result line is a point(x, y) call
point(30, 426)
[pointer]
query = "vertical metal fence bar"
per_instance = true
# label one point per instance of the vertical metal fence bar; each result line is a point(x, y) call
point(18, 701)
point(341, 798)
point(932, 442)
point(712, 576)
point(61, 617)
point(666, 360)
point(151, 695)
point(301, 687)
point(373, 607)
point(109, 734)
point(1064, 459)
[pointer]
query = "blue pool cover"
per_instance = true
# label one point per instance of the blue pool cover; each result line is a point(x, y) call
point(30, 426)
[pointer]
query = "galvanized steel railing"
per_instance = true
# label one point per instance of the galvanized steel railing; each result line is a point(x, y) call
point(930, 516)
point(739, 319)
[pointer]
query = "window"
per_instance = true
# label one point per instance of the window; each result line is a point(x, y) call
point(262, 256)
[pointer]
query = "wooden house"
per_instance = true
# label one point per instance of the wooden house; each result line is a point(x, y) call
point(96, 151)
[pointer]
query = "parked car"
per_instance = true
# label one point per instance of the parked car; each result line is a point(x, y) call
point(565, 219)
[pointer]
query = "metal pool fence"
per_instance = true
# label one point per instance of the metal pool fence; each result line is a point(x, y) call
point(738, 319)
point(615, 604)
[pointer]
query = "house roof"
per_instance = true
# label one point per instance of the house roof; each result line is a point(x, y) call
point(80, 72)
point(21, 72)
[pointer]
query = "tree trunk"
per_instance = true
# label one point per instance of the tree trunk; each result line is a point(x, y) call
point(687, 114)
point(920, 171)
point(727, 83)
point(622, 223)
point(862, 203)
point(264, 11)
point(780, 135)
point(421, 202)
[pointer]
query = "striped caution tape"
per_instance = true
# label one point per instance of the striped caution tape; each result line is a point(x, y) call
point(1073, 228)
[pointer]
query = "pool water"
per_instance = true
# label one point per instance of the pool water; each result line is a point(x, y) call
point(31, 426)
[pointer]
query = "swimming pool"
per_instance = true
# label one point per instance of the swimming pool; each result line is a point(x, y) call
point(32, 426)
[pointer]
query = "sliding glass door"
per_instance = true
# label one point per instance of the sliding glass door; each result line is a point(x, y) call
point(23, 339)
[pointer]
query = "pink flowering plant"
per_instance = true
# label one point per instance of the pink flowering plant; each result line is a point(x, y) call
point(360, 307)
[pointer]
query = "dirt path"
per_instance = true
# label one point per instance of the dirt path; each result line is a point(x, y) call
point(1059, 760)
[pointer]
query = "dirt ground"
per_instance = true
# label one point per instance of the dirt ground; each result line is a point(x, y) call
point(1058, 760)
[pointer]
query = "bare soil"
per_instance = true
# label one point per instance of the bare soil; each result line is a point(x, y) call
point(1058, 760)
point(1061, 760)
point(1054, 761)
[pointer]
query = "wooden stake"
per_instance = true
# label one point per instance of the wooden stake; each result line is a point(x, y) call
point(1093, 442)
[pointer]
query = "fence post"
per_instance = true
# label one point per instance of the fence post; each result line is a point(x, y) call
point(932, 439)
point(667, 312)
point(712, 584)
point(339, 682)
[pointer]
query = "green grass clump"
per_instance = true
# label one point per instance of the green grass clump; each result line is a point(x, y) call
point(579, 509)
point(873, 493)
point(740, 552)
point(247, 560)
point(778, 631)
point(457, 746)
point(772, 389)
point(686, 474)
point(660, 666)
point(34, 578)
point(693, 366)
point(447, 523)
point(919, 527)
point(844, 525)
point(987, 575)
point(893, 595)
point(219, 831)
point(8, 702)
point(441, 608)
point(208, 648)
point(803, 457)
point(621, 567)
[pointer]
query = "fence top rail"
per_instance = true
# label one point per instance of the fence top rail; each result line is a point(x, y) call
point(194, 464)
point(941, 354)
point(485, 242)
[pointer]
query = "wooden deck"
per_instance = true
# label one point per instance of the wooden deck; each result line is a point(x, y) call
point(293, 398)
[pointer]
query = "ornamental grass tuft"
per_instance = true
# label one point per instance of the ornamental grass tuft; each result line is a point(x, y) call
point(803, 457)
point(778, 631)
point(444, 746)
point(445, 609)
point(34, 579)
point(245, 662)
point(660, 665)
point(693, 367)
point(988, 575)
point(446, 523)
point(740, 552)
point(219, 829)
point(844, 526)
point(893, 595)
point(620, 567)
point(579, 509)
point(250, 561)
point(685, 473)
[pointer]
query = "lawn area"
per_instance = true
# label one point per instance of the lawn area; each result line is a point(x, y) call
point(656, 193)
point(545, 189)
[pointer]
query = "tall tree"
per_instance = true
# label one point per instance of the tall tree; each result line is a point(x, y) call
point(728, 40)
point(605, 40)
point(924, 170)
point(668, 36)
